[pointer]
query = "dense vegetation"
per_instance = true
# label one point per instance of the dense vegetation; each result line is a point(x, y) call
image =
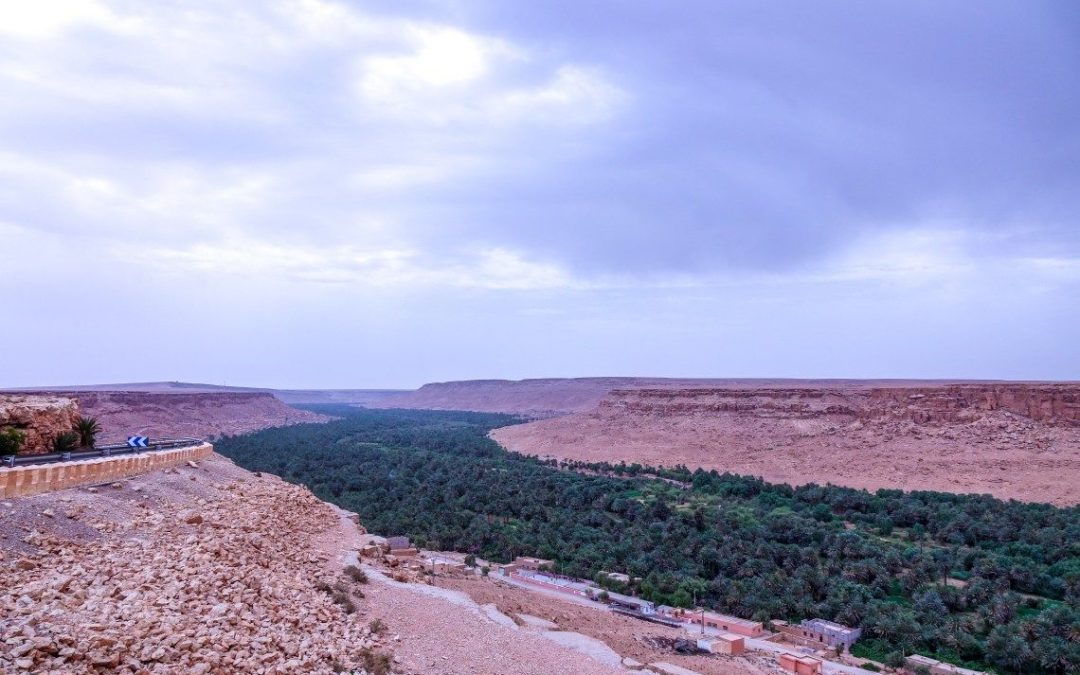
point(967, 579)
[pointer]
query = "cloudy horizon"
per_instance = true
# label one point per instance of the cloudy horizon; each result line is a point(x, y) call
point(309, 193)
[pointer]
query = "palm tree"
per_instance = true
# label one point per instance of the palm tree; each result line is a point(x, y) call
point(65, 442)
point(87, 428)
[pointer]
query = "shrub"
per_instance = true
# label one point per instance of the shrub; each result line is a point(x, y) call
point(377, 626)
point(871, 667)
point(11, 441)
point(65, 442)
point(356, 574)
point(344, 601)
point(377, 663)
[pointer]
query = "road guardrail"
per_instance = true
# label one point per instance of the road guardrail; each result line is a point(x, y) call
point(107, 450)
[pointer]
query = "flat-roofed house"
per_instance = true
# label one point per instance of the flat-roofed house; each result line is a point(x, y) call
point(725, 643)
point(528, 563)
point(630, 603)
point(832, 634)
point(800, 665)
point(720, 622)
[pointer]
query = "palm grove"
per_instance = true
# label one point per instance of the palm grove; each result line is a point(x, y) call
point(967, 579)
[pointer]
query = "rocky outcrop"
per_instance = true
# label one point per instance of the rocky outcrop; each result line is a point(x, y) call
point(40, 418)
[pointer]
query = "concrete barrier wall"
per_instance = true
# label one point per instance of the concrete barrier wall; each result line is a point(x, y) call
point(22, 481)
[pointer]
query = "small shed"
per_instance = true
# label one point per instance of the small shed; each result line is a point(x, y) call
point(725, 643)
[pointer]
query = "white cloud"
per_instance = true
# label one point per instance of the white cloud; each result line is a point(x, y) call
point(402, 268)
point(48, 18)
point(438, 57)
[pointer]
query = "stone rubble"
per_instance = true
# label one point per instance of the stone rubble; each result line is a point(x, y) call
point(227, 585)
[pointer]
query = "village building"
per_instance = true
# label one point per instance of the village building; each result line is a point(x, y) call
point(535, 564)
point(800, 665)
point(725, 643)
point(630, 603)
point(555, 583)
point(829, 633)
point(617, 576)
point(715, 620)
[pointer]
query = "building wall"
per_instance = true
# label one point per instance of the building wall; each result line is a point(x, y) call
point(722, 622)
point(22, 481)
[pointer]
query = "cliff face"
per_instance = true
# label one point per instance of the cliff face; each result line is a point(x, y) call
point(40, 418)
point(203, 415)
point(1052, 404)
point(1019, 440)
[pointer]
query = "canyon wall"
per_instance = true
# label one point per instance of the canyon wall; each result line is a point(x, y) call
point(560, 396)
point(39, 418)
point(1019, 440)
point(1053, 404)
point(200, 415)
point(120, 414)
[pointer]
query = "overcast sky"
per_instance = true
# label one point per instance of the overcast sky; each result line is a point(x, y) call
point(306, 193)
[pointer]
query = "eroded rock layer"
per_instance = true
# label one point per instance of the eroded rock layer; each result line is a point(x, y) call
point(1013, 440)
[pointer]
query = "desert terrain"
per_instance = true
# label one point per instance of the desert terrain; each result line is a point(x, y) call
point(210, 568)
point(1012, 440)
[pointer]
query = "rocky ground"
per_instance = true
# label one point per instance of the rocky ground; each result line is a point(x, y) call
point(196, 570)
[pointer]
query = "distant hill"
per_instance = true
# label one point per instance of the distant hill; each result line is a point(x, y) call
point(549, 397)
point(289, 396)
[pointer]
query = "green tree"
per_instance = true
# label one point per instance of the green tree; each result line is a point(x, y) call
point(11, 441)
point(1007, 649)
point(87, 428)
point(1053, 654)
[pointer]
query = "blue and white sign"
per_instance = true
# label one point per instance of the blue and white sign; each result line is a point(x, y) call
point(138, 442)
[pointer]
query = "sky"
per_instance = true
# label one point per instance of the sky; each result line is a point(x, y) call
point(317, 193)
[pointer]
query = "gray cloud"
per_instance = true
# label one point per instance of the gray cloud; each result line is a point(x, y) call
point(514, 160)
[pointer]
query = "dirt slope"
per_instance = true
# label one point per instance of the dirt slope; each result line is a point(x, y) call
point(1013, 440)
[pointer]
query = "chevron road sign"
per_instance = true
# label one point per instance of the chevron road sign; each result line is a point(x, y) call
point(138, 441)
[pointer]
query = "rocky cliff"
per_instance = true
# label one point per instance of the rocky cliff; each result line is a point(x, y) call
point(40, 418)
point(1016, 439)
point(1052, 404)
point(201, 415)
